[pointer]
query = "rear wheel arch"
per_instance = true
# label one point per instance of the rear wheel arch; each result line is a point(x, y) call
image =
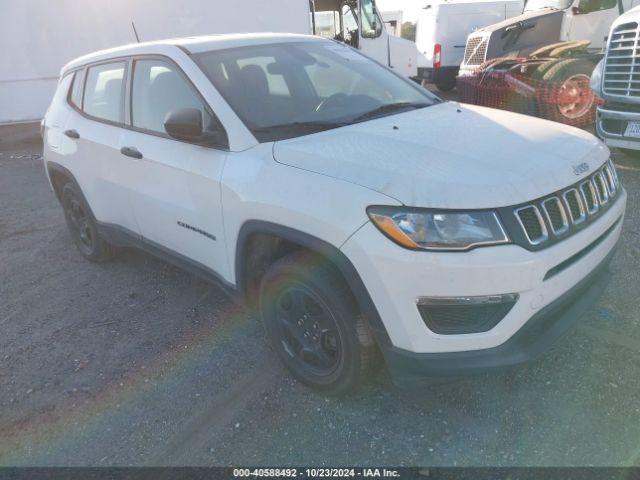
point(278, 241)
point(60, 176)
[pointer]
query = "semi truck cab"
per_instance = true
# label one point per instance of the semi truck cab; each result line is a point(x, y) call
point(544, 22)
point(616, 80)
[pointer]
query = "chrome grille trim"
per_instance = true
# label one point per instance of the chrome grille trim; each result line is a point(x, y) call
point(580, 216)
point(611, 184)
point(563, 214)
point(587, 188)
point(615, 173)
point(621, 75)
point(575, 205)
point(543, 227)
point(475, 52)
point(601, 188)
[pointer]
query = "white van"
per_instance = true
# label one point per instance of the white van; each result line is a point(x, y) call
point(360, 213)
point(442, 30)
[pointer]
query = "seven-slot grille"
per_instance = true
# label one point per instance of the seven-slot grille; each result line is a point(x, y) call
point(475, 52)
point(556, 214)
point(622, 71)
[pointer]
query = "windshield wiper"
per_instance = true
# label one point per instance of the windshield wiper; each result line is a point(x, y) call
point(390, 108)
point(313, 125)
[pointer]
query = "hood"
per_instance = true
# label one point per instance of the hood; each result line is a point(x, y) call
point(521, 35)
point(450, 156)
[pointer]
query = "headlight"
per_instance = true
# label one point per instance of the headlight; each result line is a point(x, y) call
point(596, 78)
point(420, 229)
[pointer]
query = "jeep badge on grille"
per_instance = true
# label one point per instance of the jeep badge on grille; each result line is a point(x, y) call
point(580, 169)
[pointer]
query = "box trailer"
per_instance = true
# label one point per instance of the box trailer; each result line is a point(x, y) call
point(40, 36)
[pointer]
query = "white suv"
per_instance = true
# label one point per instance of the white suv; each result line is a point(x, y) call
point(360, 213)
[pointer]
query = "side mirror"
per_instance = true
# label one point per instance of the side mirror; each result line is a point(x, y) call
point(186, 124)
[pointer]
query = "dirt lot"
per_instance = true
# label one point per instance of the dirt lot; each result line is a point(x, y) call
point(135, 362)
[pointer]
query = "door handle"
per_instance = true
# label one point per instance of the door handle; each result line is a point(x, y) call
point(132, 152)
point(72, 134)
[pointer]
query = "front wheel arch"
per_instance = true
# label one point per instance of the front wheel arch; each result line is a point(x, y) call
point(319, 247)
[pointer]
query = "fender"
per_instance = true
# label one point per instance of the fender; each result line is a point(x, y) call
point(337, 258)
point(57, 168)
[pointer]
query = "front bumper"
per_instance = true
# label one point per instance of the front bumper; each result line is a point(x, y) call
point(532, 341)
point(395, 278)
point(611, 124)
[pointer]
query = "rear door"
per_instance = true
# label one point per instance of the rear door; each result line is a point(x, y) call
point(91, 141)
point(175, 184)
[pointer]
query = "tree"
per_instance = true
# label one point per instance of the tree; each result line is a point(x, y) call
point(408, 31)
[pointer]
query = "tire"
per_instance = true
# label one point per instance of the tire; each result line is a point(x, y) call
point(446, 87)
point(312, 323)
point(82, 226)
point(572, 77)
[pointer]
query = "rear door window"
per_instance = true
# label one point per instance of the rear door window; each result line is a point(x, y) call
point(103, 96)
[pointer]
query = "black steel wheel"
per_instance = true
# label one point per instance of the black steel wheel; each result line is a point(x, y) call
point(314, 326)
point(82, 227)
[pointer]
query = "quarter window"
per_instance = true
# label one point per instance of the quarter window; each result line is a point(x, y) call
point(158, 89)
point(103, 92)
point(75, 96)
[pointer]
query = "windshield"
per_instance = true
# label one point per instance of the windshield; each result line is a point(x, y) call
point(540, 4)
point(292, 89)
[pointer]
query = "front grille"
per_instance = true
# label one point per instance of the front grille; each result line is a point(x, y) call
point(555, 215)
point(532, 224)
point(567, 210)
point(475, 53)
point(622, 70)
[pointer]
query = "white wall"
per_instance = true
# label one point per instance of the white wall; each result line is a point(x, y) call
point(39, 36)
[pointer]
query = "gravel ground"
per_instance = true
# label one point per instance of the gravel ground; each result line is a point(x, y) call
point(135, 362)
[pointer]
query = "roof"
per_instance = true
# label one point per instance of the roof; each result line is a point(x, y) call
point(191, 44)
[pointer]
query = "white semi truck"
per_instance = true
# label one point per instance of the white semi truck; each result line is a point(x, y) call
point(616, 79)
point(442, 30)
point(554, 43)
point(56, 32)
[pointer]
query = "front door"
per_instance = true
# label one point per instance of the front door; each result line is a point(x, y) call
point(176, 199)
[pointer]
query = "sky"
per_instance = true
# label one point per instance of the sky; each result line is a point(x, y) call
point(410, 8)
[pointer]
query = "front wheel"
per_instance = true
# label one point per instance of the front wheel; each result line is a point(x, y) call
point(314, 326)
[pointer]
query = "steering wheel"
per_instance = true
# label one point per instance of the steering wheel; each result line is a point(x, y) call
point(335, 100)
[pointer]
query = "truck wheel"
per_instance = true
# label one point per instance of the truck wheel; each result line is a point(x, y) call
point(572, 100)
point(82, 227)
point(314, 326)
point(446, 87)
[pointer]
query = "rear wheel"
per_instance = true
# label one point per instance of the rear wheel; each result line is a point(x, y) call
point(314, 326)
point(569, 98)
point(82, 227)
